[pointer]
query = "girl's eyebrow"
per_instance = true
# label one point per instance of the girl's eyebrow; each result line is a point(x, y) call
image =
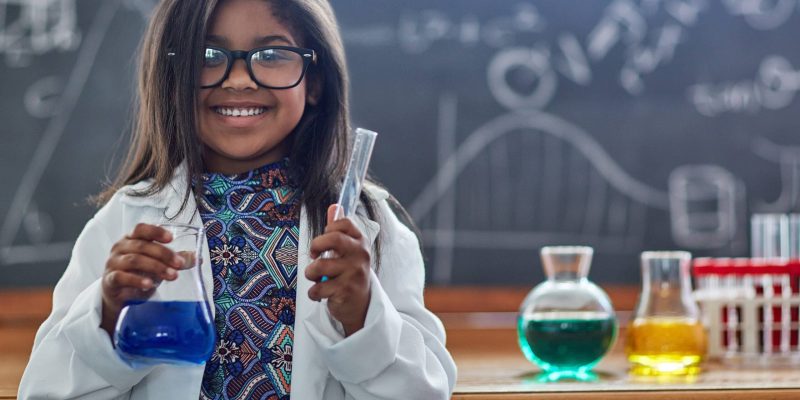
point(272, 38)
point(216, 39)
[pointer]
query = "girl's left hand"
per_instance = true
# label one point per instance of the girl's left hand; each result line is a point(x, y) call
point(347, 288)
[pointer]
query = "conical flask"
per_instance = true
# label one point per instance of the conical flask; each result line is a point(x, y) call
point(172, 323)
point(666, 335)
point(566, 324)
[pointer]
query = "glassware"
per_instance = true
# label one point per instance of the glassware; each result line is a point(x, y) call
point(666, 335)
point(357, 167)
point(171, 323)
point(566, 324)
point(774, 242)
point(770, 236)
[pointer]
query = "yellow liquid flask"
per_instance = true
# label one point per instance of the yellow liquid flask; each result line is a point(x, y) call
point(666, 336)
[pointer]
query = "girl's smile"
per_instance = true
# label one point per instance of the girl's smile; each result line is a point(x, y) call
point(240, 114)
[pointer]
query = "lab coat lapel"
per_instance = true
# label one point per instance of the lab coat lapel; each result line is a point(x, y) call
point(309, 370)
point(309, 373)
point(173, 199)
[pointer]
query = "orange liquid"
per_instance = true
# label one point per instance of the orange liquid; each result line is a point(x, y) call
point(665, 346)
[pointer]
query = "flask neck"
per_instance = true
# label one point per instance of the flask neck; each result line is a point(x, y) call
point(666, 277)
point(566, 276)
point(666, 288)
point(667, 291)
point(566, 263)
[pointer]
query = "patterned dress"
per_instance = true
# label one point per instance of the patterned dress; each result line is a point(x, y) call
point(252, 225)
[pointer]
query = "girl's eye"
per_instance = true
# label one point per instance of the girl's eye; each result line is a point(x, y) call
point(272, 56)
point(214, 58)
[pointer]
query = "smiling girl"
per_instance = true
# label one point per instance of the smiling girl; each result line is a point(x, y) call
point(242, 127)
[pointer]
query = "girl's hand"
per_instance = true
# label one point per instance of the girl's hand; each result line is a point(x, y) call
point(136, 265)
point(347, 288)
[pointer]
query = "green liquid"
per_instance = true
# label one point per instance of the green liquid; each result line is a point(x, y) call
point(566, 341)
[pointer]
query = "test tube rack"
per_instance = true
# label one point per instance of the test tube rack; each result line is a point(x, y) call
point(750, 307)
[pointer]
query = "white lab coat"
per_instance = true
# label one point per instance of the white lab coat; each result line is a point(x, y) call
point(398, 354)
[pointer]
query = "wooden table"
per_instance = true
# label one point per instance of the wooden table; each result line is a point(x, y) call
point(491, 366)
point(15, 346)
point(21, 313)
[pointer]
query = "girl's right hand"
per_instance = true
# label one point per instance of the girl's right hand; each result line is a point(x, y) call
point(136, 264)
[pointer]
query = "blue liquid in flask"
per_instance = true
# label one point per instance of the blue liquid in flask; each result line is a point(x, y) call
point(175, 332)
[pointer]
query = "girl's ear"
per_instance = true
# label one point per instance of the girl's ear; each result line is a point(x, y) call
point(314, 90)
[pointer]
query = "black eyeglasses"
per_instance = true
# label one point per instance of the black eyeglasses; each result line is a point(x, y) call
point(271, 67)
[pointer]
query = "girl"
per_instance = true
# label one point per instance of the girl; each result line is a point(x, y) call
point(242, 126)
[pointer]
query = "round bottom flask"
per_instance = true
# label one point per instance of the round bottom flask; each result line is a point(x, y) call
point(566, 324)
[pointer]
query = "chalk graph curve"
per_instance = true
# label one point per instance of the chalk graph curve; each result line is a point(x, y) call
point(548, 124)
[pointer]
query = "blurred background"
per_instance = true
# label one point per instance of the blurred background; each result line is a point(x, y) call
point(504, 125)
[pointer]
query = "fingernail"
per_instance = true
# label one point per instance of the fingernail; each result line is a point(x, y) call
point(147, 282)
point(171, 273)
point(177, 261)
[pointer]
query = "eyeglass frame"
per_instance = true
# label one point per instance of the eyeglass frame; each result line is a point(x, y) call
point(309, 56)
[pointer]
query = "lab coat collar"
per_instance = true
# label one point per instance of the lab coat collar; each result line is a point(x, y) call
point(170, 197)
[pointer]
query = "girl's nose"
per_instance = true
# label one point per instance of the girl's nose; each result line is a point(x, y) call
point(239, 78)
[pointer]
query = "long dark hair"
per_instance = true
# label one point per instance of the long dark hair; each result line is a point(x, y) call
point(165, 121)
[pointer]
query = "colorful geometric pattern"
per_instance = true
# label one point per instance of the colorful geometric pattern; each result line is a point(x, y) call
point(252, 226)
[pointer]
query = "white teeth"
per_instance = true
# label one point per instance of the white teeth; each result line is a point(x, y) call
point(239, 112)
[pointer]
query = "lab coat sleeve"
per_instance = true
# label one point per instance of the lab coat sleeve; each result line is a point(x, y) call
point(400, 352)
point(72, 356)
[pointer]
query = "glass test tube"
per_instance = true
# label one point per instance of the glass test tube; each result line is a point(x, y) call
point(768, 240)
point(354, 177)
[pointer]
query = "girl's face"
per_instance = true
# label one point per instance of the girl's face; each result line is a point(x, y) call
point(259, 134)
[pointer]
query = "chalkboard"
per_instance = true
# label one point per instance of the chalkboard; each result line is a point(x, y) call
point(503, 126)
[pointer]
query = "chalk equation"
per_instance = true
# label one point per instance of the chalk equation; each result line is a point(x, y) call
point(774, 88)
point(31, 28)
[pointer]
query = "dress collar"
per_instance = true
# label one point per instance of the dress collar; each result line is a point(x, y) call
point(270, 176)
